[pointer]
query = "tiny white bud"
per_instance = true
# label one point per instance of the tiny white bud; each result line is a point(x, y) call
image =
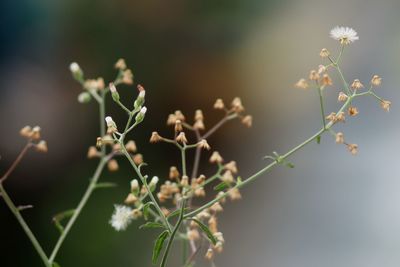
point(109, 121)
point(142, 93)
point(154, 180)
point(74, 67)
point(134, 184)
point(143, 110)
point(113, 89)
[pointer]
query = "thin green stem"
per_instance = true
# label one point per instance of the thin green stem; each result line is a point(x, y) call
point(183, 156)
point(321, 102)
point(92, 185)
point(24, 226)
point(143, 179)
point(78, 210)
point(172, 236)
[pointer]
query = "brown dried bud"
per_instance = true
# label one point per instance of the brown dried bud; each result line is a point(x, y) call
point(302, 84)
point(199, 125)
point(247, 121)
point(41, 146)
point(353, 111)
point(237, 105)
point(173, 173)
point(203, 144)
point(353, 148)
point(216, 158)
point(324, 53)
point(342, 97)
point(231, 166)
point(178, 126)
point(376, 80)
point(385, 104)
point(198, 115)
point(155, 137)
point(112, 165)
point(219, 104)
point(314, 76)
point(138, 159)
point(93, 153)
point(339, 138)
point(181, 138)
point(357, 84)
point(26, 131)
point(131, 146)
point(326, 80)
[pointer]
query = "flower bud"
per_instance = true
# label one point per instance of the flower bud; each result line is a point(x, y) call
point(342, 97)
point(219, 104)
point(140, 116)
point(84, 97)
point(76, 71)
point(140, 98)
point(324, 53)
point(376, 80)
point(114, 92)
point(112, 127)
point(135, 186)
point(41, 146)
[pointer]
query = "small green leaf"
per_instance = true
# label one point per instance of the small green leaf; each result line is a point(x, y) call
point(207, 231)
point(159, 245)
point(61, 216)
point(151, 225)
point(221, 186)
point(146, 209)
point(318, 139)
point(290, 165)
point(239, 180)
point(105, 185)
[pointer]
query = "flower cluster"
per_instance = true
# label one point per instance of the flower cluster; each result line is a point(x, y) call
point(320, 79)
point(178, 187)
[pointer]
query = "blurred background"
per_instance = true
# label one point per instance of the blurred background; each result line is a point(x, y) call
point(332, 210)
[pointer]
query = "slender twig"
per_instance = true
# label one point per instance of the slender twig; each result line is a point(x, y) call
point(92, 185)
point(16, 162)
point(24, 226)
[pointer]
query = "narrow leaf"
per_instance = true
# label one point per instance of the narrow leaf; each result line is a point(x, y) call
point(318, 139)
point(207, 231)
point(105, 185)
point(221, 186)
point(159, 245)
point(146, 209)
point(151, 225)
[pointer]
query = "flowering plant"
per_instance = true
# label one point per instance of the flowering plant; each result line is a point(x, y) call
point(172, 205)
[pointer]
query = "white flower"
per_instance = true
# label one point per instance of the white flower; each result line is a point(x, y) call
point(109, 121)
point(134, 184)
point(142, 93)
point(113, 89)
point(154, 180)
point(143, 110)
point(74, 67)
point(345, 35)
point(121, 217)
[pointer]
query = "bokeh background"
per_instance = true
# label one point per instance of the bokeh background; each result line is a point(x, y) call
point(332, 210)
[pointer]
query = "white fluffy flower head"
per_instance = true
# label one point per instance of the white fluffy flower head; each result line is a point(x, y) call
point(345, 35)
point(109, 121)
point(121, 217)
point(74, 67)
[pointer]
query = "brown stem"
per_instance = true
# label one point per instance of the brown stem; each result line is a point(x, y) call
point(16, 162)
